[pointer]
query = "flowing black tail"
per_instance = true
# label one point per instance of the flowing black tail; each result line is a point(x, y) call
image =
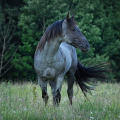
point(83, 75)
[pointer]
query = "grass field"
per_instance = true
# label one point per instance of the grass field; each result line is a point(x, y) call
point(24, 102)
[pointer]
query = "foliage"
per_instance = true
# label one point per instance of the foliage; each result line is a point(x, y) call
point(98, 20)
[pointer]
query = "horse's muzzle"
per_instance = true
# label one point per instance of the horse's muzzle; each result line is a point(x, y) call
point(85, 48)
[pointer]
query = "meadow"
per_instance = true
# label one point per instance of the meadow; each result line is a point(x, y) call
point(24, 102)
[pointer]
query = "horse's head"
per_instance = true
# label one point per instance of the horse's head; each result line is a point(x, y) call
point(72, 34)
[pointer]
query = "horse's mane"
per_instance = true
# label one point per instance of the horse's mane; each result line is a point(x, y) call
point(53, 31)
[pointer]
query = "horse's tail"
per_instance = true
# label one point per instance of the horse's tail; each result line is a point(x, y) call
point(83, 75)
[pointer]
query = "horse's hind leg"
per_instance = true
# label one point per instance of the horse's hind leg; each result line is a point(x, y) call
point(56, 89)
point(70, 81)
point(43, 86)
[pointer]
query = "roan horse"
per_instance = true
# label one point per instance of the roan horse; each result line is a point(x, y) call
point(56, 55)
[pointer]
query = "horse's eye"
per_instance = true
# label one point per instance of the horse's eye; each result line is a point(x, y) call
point(73, 29)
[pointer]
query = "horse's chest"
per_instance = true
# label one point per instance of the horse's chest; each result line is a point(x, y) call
point(52, 68)
point(49, 73)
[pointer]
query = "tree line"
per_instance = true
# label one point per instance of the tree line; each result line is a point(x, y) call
point(23, 22)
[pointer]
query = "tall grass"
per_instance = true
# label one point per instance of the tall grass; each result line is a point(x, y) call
point(24, 102)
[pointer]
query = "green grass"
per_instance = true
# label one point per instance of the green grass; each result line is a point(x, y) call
point(24, 102)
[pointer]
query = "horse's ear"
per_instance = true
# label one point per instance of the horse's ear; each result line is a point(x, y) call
point(73, 16)
point(67, 17)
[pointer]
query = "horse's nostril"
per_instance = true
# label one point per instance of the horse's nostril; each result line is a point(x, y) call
point(87, 46)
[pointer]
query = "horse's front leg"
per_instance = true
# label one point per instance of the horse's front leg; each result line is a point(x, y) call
point(43, 86)
point(56, 89)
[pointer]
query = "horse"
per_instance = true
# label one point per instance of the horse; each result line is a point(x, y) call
point(56, 56)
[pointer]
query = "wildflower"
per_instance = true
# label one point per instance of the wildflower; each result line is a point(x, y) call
point(91, 117)
point(64, 100)
point(25, 109)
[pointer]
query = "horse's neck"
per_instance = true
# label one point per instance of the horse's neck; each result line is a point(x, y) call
point(51, 49)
